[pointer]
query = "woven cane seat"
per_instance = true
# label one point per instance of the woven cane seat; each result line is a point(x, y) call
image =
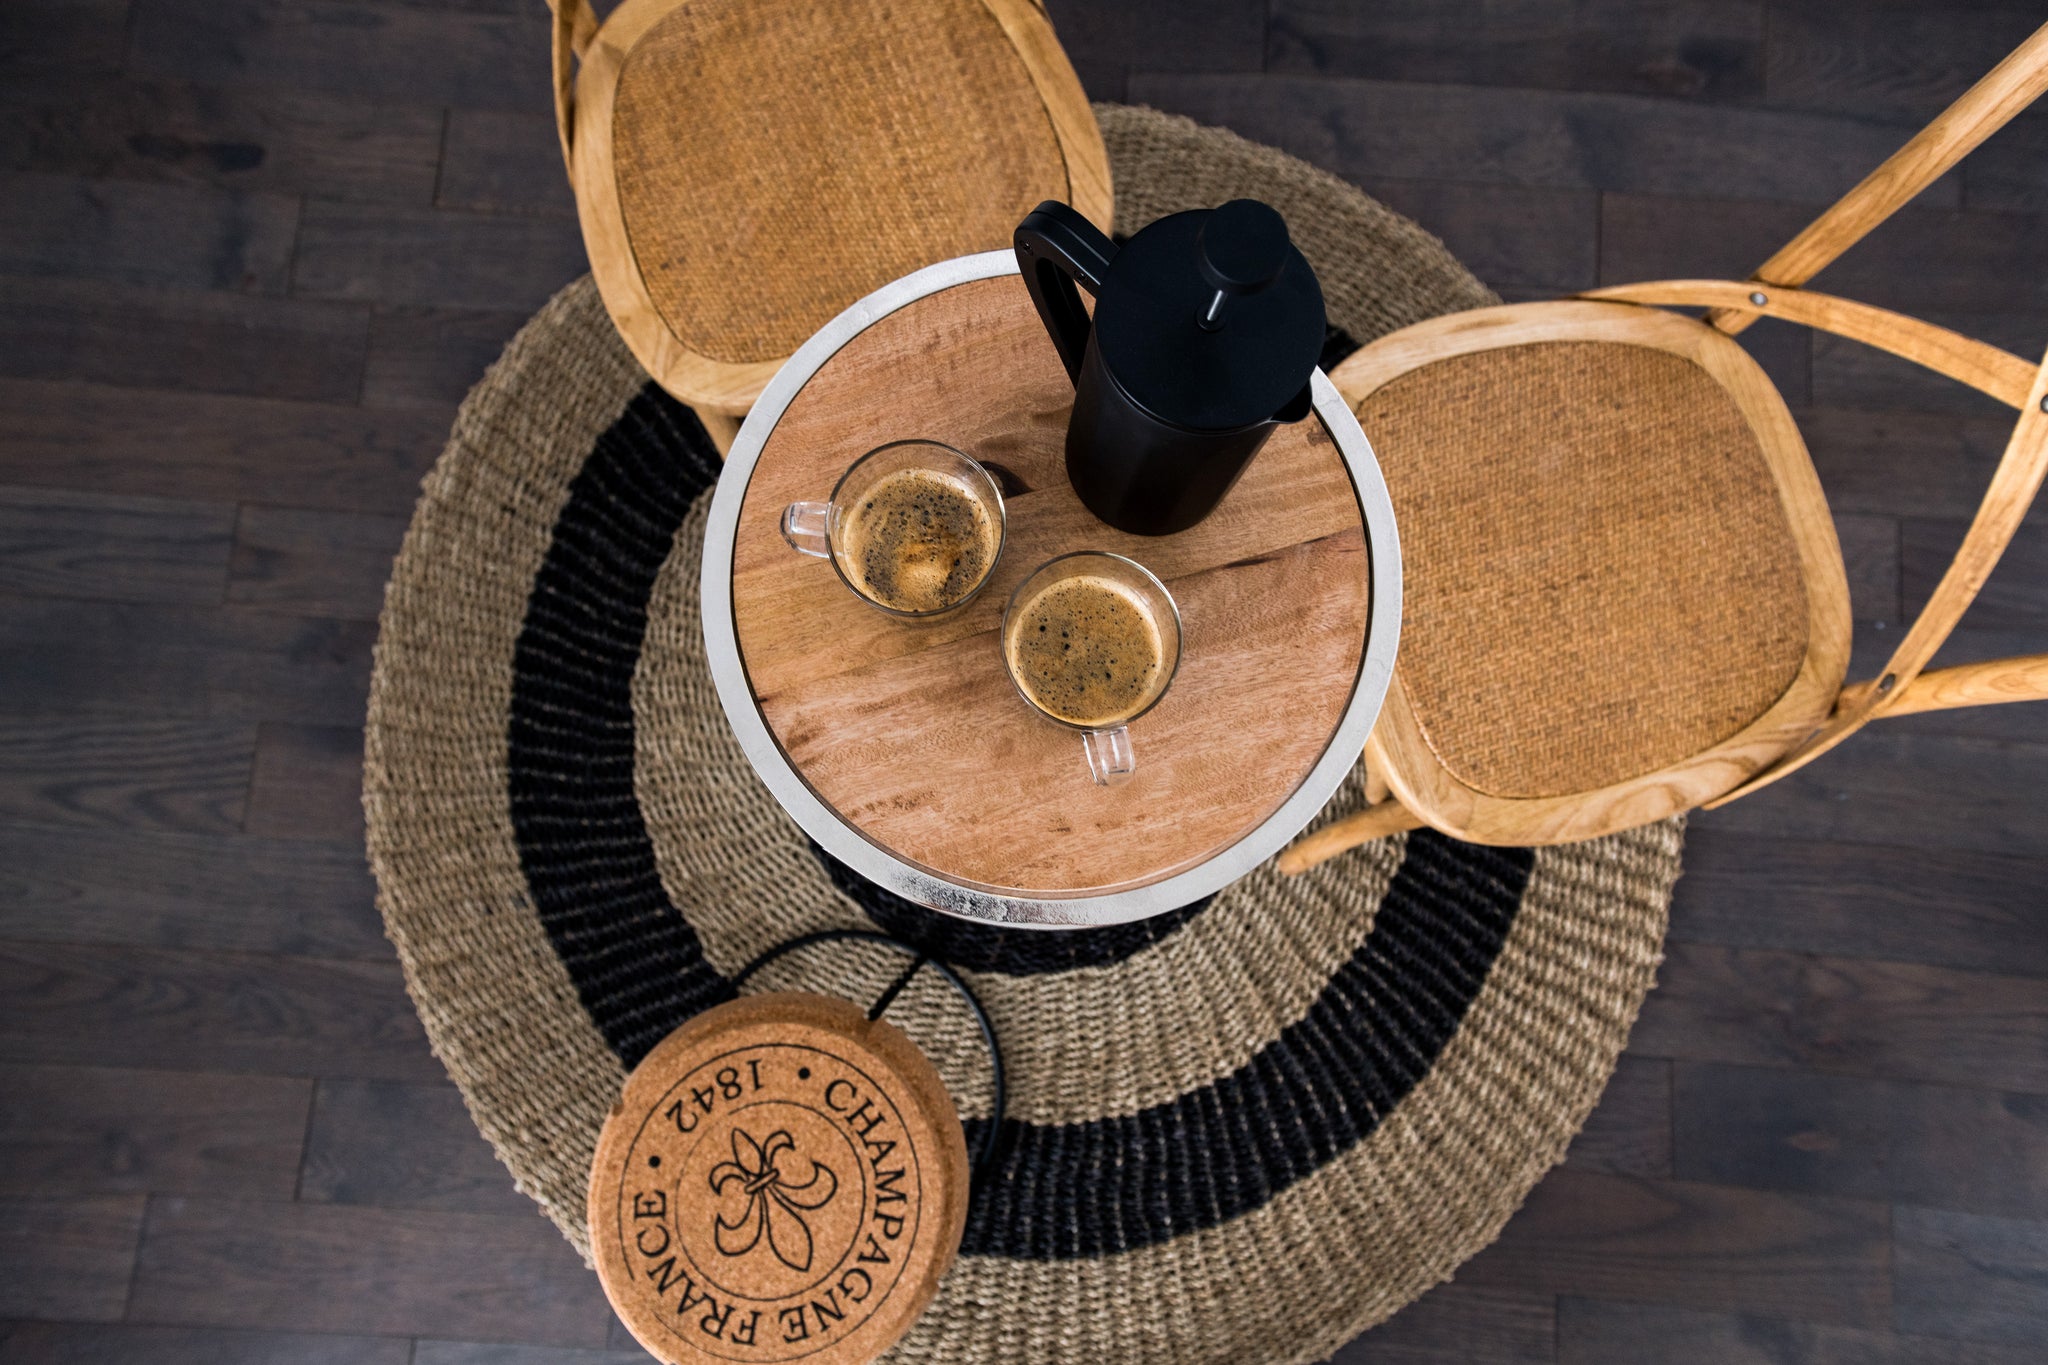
point(1602, 580)
point(745, 169)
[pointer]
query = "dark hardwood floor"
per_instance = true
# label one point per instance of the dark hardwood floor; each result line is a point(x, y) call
point(252, 252)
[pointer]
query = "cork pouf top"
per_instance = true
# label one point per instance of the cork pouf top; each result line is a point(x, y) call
point(783, 1179)
point(1241, 1131)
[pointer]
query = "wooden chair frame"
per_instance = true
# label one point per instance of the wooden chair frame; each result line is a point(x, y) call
point(588, 61)
point(1789, 734)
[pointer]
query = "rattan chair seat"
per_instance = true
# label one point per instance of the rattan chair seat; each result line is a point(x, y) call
point(745, 169)
point(1602, 578)
point(920, 137)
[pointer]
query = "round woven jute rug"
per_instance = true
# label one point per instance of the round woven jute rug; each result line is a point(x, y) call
point(1242, 1131)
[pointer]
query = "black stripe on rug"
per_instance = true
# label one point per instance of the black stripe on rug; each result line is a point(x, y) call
point(1089, 1189)
point(636, 963)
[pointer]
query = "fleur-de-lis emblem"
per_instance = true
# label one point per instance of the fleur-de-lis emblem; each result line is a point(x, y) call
point(775, 1204)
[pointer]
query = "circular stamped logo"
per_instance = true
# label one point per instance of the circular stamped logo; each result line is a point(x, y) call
point(775, 1186)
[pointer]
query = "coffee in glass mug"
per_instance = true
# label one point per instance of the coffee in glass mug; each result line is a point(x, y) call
point(919, 541)
point(914, 528)
point(1092, 640)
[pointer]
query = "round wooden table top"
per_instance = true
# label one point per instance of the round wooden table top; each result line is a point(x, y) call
point(905, 750)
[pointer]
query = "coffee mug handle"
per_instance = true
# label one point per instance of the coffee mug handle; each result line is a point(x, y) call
point(805, 525)
point(1111, 760)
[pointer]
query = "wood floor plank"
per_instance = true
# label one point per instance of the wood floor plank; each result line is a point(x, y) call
point(155, 890)
point(395, 1145)
point(313, 562)
point(216, 448)
point(75, 37)
point(2009, 173)
point(121, 549)
point(1629, 1132)
point(142, 337)
point(92, 1005)
point(1214, 35)
point(500, 161)
point(1538, 138)
point(437, 257)
point(1456, 1325)
point(308, 783)
point(67, 1258)
point(1902, 786)
point(1713, 49)
point(327, 1267)
point(1901, 62)
point(1786, 354)
point(78, 1131)
point(1970, 1276)
point(292, 142)
point(432, 356)
point(430, 1352)
point(1511, 238)
point(1966, 909)
point(1935, 1145)
point(472, 55)
point(619, 1341)
point(1692, 236)
point(1590, 1332)
point(137, 233)
point(1605, 1236)
point(1925, 259)
point(67, 1343)
point(2014, 598)
point(187, 776)
point(1870, 552)
point(234, 662)
point(1895, 1020)
point(1904, 464)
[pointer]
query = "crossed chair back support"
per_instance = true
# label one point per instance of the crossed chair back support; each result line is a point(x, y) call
point(745, 169)
point(1625, 594)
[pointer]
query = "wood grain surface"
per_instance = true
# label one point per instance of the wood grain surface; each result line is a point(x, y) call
point(915, 734)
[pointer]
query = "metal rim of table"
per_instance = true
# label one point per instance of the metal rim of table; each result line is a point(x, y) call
point(863, 855)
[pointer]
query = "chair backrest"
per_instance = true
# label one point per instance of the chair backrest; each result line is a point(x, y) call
point(746, 169)
point(1904, 685)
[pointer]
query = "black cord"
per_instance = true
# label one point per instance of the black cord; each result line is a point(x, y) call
point(888, 997)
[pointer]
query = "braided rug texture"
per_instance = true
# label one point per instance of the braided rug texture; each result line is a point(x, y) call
point(1242, 1131)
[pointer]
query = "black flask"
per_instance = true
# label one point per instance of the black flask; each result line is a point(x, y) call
point(1207, 327)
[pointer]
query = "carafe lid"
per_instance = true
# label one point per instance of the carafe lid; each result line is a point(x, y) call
point(1211, 319)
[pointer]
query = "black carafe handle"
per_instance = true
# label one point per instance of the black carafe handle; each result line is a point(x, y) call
point(1056, 249)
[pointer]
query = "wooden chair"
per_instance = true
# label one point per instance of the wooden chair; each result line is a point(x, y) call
point(1624, 595)
point(745, 169)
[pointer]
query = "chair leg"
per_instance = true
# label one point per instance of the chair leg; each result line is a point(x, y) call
point(1374, 822)
point(721, 427)
point(1375, 783)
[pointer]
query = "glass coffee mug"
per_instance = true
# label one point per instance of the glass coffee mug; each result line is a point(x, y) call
point(1092, 640)
point(914, 528)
